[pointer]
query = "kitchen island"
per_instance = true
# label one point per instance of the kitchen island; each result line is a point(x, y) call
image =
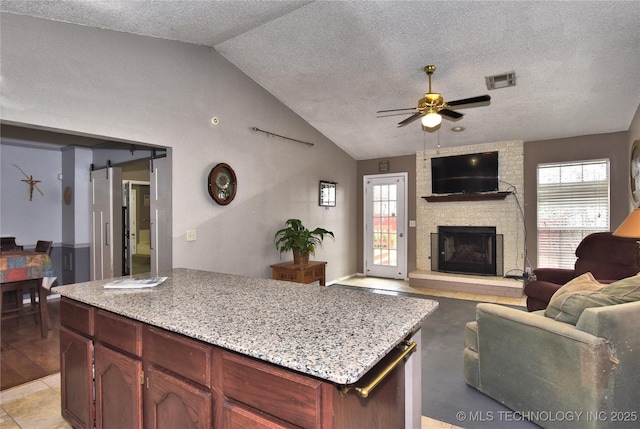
point(233, 351)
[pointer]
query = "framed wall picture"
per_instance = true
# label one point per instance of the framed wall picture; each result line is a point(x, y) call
point(327, 194)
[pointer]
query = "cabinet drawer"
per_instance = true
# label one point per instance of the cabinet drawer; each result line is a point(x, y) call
point(285, 275)
point(119, 332)
point(283, 394)
point(178, 354)
point(77, 316)
point(238, 417)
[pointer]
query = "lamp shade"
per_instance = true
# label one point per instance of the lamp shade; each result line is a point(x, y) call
point(630, 228)
point(431, 120)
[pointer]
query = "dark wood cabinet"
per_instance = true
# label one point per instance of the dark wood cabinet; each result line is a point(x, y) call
point(261, 395)
point(118, 389)
point(178, 373)
point(173, 402)
point(288, 396)
point(76, 363)
point(237, 416)
point(118, 371)
point(152, 378)
point(76, 377)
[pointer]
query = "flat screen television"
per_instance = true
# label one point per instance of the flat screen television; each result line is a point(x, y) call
point(465, 174)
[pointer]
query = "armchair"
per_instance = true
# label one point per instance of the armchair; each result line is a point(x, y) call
point(607, 257)
point(556, 374)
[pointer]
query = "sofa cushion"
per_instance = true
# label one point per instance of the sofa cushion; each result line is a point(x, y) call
point(471, 336)
point(627, 289)
point(585, 282)
point(568, 307)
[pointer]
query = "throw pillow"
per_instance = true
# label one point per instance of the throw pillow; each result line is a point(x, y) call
point(585, 282)
point(627, 289)
point(568, 307)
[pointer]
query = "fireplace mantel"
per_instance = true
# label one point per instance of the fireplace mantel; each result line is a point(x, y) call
point(467, 197)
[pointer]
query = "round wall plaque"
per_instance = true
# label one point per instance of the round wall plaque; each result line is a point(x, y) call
point(222, 184)
point(68, 195)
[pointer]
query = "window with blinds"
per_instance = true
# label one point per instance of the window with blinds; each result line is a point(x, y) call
point(573, 202)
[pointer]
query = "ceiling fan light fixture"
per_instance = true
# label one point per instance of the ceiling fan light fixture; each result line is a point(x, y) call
point(431, 120)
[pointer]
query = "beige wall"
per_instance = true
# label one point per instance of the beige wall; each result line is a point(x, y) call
point(614, 146)
point(92, 82)
point(398, 164)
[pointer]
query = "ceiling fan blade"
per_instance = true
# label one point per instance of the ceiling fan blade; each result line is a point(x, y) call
point(451, 114)
point(395, 110)
point(410, 119)
point(478, 99)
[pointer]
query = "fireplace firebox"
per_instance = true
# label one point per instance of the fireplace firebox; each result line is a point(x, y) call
point(467, 250)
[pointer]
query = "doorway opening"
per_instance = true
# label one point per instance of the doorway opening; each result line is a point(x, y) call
point(136, 227)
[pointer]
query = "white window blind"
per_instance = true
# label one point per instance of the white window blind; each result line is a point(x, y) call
point(573, 202)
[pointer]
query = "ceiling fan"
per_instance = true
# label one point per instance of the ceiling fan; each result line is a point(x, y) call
point(432, 106)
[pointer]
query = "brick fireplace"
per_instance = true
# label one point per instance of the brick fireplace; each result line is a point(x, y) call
point(467, 250)
point(504, 214)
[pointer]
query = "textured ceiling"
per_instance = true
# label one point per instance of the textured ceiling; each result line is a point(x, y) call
point(335, 63)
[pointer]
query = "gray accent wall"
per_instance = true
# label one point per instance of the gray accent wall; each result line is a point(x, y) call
point(614, 146)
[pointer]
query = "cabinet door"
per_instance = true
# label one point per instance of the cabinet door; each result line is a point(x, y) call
point(118, 389)
point(76, 378)
point(173, 402)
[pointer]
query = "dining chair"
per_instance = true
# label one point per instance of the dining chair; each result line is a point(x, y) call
point(43, 247)
point(17, 288)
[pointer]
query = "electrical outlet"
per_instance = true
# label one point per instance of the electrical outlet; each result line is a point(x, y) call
point(191, 235)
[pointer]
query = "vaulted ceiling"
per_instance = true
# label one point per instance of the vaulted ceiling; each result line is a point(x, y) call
point(336, 63)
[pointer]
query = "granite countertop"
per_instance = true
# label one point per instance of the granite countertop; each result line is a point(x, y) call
point(330, 333)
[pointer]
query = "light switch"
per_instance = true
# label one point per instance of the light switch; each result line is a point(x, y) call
point(412, 224)
point(191, 235)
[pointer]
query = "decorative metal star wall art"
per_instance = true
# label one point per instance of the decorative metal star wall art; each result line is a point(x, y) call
point(32, 183)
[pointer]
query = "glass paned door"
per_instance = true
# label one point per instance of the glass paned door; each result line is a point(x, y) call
point(385, 241)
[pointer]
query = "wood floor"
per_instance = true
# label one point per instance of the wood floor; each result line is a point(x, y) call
point(25, 355)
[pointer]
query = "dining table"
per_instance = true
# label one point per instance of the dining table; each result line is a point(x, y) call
point(25, 267)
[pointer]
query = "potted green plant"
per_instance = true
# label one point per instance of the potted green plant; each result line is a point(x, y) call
point(300, 240)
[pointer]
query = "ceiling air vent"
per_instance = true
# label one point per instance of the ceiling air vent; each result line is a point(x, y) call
point(501, 80)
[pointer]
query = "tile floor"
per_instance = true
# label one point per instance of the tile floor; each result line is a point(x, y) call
point(36, 405)
point(403, 286)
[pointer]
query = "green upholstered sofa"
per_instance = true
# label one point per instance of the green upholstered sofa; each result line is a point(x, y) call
point(556, 374)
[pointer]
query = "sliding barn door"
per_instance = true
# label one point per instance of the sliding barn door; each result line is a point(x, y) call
point(106, 223)
point(160, 201)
